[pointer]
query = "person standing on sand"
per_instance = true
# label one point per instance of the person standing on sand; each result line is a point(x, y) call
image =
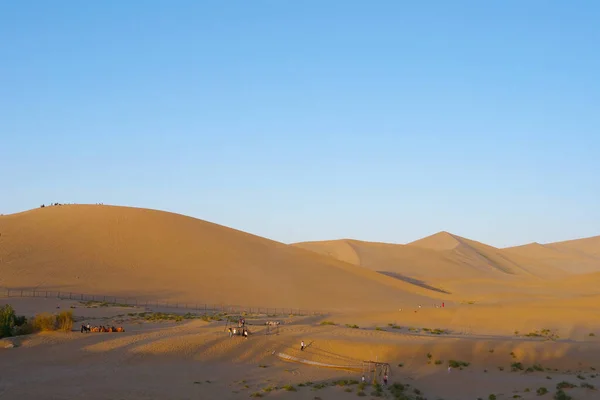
point(302, 345)
point(230, 332)
point(385, 379)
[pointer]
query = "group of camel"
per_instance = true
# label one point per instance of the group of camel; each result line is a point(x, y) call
point(102, 328)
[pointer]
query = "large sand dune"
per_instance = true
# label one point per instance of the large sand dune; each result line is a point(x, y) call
point(467, 267)
point(159, 255)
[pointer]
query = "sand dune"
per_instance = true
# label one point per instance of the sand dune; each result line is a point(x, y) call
point(576, 256)
point(467, 268)
point(159, 255)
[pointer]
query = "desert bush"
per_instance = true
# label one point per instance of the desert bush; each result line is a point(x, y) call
point(586, 385)
point(592, 334)
point(44, 322)
point(361, 393)
point(458, 364)
point(64, 321)
point(547, 334)
point(492, 397)
point(327, 323)
point(565, 385)
point(538, 367)
point(581, 377)
point(290, 388)
point(541, 391)
point(378, 328)
point(353, 326)
point(561, 395)
point(438, 362)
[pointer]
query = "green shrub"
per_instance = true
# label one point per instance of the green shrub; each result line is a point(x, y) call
point(353, 326)
point(327, 323)
point(290, 388)
point(538, 367)
point(541, 391)
point(586, 385)
point(378, 328)
point(458, 364)
point(361, 393)
point(438, 362)
point(565, 385)
point(561, 395)
point(492, 397)
point(7, 320)
point(516, 366)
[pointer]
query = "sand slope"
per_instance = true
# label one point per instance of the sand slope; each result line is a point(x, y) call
point(574, 256)
point(140, 252)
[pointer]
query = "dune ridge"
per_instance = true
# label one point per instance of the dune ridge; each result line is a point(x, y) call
point(117, 250)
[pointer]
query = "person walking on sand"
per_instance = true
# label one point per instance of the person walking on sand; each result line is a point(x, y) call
point(302, 345)
point(230, 332)
point(385, 379)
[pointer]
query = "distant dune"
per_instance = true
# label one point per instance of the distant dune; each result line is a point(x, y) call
point(450, 262)
point(138, 252)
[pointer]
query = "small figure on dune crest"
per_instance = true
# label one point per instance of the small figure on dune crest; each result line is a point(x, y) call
point(302, 345)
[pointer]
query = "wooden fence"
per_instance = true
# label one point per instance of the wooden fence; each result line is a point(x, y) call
point(157, 305)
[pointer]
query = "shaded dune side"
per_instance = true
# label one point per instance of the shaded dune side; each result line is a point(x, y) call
point(159, 255)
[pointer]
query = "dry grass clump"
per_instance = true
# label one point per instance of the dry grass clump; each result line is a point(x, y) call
point(48, 322)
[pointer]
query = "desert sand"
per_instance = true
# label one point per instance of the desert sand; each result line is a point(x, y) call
point(523, 318)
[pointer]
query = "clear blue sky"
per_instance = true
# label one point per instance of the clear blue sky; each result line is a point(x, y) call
point(309, 120)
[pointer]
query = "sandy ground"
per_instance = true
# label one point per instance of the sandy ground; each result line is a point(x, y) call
point(197, 359)
point(378, 301)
